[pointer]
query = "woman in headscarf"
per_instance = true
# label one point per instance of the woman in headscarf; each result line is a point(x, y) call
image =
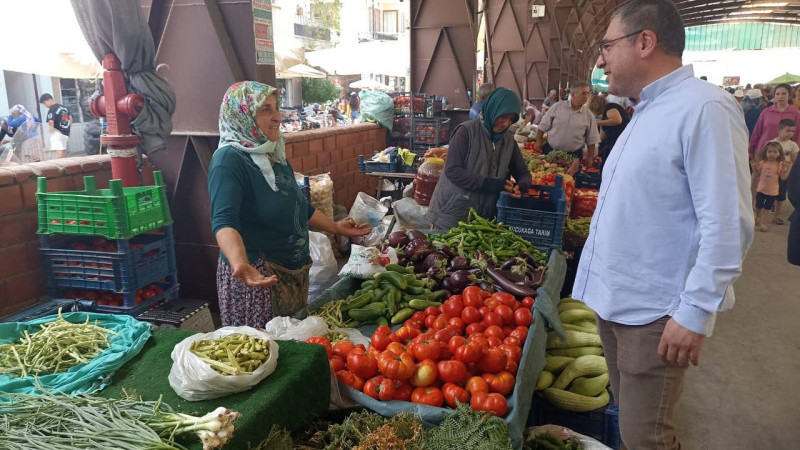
point(258, 214)
point(25, 129)
point(481, 156)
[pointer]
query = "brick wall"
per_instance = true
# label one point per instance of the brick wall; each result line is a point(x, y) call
point(21, 277)
point(336, 150)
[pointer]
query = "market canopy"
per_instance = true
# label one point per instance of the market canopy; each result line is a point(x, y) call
point(370, 84)
point(378, 57)
point(300, 71)
point(785, 78)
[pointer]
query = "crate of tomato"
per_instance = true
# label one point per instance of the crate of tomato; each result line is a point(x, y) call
point(584, 202)
point(435, 130)
point(131, 303)
point(407, 102)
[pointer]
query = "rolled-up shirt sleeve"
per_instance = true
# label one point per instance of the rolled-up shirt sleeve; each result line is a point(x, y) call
point(547, 120)
point(716, 164)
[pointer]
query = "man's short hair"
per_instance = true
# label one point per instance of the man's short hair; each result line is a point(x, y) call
point(45, 97)
point(484, 90)
point(553, 91)
point(659, 16)
point(578, 85)
point(786, 123)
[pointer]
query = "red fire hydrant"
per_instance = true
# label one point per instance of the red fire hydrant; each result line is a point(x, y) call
point(119, 108)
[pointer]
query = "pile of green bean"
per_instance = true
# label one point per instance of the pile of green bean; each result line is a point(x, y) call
point(234, 354)
point(56, 347)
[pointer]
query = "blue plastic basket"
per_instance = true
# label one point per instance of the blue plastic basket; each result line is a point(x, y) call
point(540, 218)
point(585, 180)
point(601, 424)
point(170, 288)
point(135, 263)
point(45, 308)
point(374, 166)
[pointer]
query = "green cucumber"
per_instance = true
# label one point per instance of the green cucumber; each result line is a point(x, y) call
point(399, 269)
point(415, 290)
point(382, 321)
point(438, 295)
point(420, 304)
point(369, 284)
point(402, 316)
point(367, 314)
point(393, 277)
point(358, 302)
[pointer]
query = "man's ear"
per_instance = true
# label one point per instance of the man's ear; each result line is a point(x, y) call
point(648, 43)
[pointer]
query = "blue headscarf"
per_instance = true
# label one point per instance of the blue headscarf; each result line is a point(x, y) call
point(500, 102)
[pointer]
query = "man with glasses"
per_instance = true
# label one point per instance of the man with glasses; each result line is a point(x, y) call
point(570, 126)
point(673, 220)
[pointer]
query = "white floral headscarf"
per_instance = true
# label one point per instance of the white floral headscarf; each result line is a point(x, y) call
point(237, 126)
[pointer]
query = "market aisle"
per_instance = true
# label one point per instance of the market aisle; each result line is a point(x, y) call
point(745, 394)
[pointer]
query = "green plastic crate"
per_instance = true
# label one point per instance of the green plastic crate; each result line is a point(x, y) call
point(115, 213)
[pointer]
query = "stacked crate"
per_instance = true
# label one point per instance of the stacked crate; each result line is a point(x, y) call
point(111, 249)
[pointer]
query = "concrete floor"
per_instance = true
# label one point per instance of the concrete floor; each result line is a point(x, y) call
point(746, 393)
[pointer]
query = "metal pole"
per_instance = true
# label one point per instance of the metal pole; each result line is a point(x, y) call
point(488, 65)
point(38, 111)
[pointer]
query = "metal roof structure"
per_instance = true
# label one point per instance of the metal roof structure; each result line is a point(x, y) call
point(699, 12)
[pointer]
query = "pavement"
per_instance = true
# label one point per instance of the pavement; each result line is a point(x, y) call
point(745, 393)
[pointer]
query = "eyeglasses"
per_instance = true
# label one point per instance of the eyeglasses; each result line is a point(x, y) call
point(604, 45)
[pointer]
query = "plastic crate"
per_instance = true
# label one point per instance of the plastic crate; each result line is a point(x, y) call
point(539, 219)
point(585, 180)
point(601, 424)
point(183, 314)
point(170, 292)
point(403, 102)
point(115, 213)
point(137, 262)
point(46, 308)
point(373, 166)
point(435, 130)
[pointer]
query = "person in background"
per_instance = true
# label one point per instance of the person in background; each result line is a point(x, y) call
point(786, 129)
point(750, 106)
point(355, 106)
point(771, 168)
point(613, 119)
point(793, 193)
point(259, 216)
point(60, 121)
point(738, 94)
point(570, 126)
point(27, 141)
point(552, 99)
point(483, 93)
point(481, 156)
point(796, 99)
point(663, 249)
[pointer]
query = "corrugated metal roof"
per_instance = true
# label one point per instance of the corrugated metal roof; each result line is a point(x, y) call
point(742, 36)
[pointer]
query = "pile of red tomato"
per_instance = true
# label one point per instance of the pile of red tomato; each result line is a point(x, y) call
point(466, 350)
point(110, 298)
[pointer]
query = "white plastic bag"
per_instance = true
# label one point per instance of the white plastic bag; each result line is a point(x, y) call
point(192, 379)
point(367, 209)
point(374, 238)
point(286, 328)
point(324, 264)
point(363, 264)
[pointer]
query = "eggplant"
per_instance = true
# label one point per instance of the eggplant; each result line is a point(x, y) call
point(479, 255)
point(448, 252)
point(458, 263)
point(418, 249)
point(460, 280)
point(486, 286)
point(398, 239)
point(446, 284)
point(509, 264)
point(435, 272)
point(434, 259)
point(512, 277)
point(502, 282)
point(415, 234)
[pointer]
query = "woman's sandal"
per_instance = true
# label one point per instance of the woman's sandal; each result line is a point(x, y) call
point(778, 221)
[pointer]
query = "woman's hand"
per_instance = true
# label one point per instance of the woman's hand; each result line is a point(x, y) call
point(347, 227)
point(252, 277)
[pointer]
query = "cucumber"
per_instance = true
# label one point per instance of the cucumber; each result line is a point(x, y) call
point(369, 284)
point(415, 290)
point(402, 316)
point(399, 269)
point(358, 302)
point(382, 321)
point(420, 304)
point(437, 296)
point(393, 277)
point(367, 314)
point(391, 301)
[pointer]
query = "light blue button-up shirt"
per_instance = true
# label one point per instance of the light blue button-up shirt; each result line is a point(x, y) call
point(674, 218)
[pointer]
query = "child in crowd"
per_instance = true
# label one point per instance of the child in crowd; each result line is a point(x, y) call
point(769, 171)
point(786, 128)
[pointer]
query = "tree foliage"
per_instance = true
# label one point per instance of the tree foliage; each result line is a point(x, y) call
point(319, 90)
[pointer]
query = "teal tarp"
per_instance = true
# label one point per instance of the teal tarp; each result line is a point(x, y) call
point(131, 336)
point(533, 355)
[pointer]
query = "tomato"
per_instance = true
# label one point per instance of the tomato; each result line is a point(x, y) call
point(512, 367)
point(380, 339)
point(513, 352)
point(402, 391)
point(493, 360)
point(336, 363)
point(349, 378)
point(494, 341)
point(493, 403)
point(477, 384)
point(397, 348)
point(430, 319)
point(515, 306)
point(507, 331)
point(428, 396)
point(440, 322)
point(425, 373)
point(406, 334)
point(380, 388)
point(494, 330)
point(472, 296)
point(484, 310)
point(374, 352)
point(513, 340)
point(473, 328)
point(452, 371)
point(419, 315)
point(528, 302)
point(485, 294)
point(446, 353)
point(523, 317)
point(427, 348)
point(492, 303)
point(464, 350)
point(458, 323)
point(362, 363)
point(453, 306)
point(446, 334)
point(502, 383)
point(323, 341)
point(481, 340)
point(504, 298)
point(396, 366)
point(414, 323)
point(343, 348)
point(470, 315)
point(431, 311)
point(520, 333)
point(493, 318)
point(506, 314)
point(454, 394)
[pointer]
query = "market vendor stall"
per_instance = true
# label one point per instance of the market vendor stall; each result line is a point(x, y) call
point(294, 395)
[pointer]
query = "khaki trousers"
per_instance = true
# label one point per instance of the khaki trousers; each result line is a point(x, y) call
point(645, 388)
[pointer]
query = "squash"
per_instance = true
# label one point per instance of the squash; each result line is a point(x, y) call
point(574, 315)
point(556, 364)
point(574, 339)
point(589, 386)
point(563, 306)
point(588, 365)
point(570, 401)
point(545, 380)
point(576, 327)
point(575, 352)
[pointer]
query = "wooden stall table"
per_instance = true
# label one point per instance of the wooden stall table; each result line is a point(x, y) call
point(292, 397)
point(390, 176)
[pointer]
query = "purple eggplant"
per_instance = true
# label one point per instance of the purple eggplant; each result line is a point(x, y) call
point(501, 281)
point(398, 239)
point(435, 272)
point(458, 263)
point(418, 249)
point(415, 234)
point(460, 280)
point(434, 259)
point(446, 284)
point(486, 286)
point(448, 252)
point(509, 264)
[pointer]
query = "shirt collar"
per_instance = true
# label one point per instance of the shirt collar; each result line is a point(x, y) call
point(663, 84)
